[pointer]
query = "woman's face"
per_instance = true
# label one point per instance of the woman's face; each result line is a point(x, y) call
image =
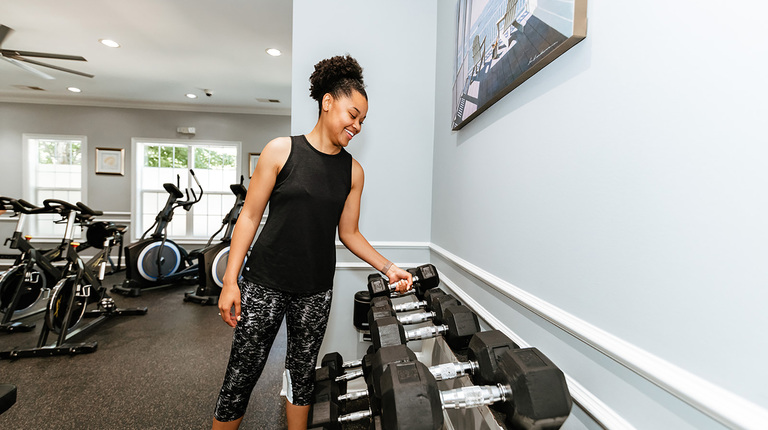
point(344, 116)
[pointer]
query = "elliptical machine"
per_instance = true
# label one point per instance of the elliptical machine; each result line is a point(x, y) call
point(212, 260)
point(157, 260)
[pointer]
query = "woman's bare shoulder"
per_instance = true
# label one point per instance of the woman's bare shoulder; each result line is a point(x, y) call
point(276, 152)
point(277, 146)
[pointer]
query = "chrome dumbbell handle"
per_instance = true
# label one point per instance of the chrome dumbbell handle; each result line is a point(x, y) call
point(410, 306)
point(453, 370)
point(426, 332)
point(416, 318)
point(353, 395)
point(474, 396)
point(356, 416)
point(349, 375)
point(353, 363)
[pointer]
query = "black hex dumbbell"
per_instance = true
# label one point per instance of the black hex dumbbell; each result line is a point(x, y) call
point(483, 354)
point(425, 302)
point(458, 326)
point(333, 368)
point(329, 394)
point(531, 388)
point(485, 350)
point(424, 278)
point(436, 305)
point(363, 303)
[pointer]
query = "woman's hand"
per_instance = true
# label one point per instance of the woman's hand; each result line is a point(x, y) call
point(229, 297)
point(403, 279)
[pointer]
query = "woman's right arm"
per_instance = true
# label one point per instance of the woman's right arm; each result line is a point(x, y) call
point(270, 162)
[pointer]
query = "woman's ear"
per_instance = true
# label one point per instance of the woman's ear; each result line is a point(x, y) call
point(327, 102)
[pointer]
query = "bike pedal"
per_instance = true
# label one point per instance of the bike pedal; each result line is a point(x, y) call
point(83, 291)
point(32, 277)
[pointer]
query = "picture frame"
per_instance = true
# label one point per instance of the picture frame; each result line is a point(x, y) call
point(110, 161)
point(502, 43)
point(253, 158)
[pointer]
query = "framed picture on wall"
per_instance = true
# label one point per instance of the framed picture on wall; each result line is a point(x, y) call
point(110, 161)
point(253, 158)
point(502, 43)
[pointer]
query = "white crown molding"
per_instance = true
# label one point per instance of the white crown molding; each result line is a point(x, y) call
point(182, 107)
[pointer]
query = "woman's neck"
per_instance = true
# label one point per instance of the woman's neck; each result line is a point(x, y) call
point(319, 139)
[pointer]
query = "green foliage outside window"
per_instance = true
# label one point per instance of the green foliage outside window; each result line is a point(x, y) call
point(59, 152)
point(166, 156)
point(213, 159)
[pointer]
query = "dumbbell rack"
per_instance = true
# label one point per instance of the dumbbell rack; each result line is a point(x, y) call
point(436, 351)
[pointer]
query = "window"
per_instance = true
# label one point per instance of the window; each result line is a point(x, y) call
point(157, 161)
point(53, 169)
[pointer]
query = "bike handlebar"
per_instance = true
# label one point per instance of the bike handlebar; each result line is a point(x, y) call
point(60, 205)
point(88, 211)
point(22, 206)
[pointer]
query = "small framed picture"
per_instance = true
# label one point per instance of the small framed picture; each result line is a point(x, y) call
point(110, 161)
point(253, 158)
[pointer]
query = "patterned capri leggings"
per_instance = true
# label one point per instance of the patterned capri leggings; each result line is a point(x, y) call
point(261, 314)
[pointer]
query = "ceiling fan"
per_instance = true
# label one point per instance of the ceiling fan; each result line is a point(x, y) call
point(19, 59)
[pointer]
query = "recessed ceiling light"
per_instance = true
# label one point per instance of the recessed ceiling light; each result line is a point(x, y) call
point(74, 89)
point(274, 52)
point(110, 43)
point(191, 96)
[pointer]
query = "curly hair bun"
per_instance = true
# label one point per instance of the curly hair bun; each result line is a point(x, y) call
point(336, 75)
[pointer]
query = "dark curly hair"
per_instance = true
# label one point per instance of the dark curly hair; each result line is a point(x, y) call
point(337, 76)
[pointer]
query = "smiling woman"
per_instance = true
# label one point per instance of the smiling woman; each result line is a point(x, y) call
point(313, 187)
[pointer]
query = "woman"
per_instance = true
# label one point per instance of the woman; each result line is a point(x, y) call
point(313, 186)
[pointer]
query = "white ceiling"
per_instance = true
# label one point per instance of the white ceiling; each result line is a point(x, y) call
point(168, 48)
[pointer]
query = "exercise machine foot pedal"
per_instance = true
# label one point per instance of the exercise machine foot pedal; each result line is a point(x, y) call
point(49, 351)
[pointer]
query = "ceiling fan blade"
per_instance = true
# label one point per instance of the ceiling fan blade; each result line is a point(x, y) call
point(4, 32)
point(28, 68)
point(63, 69)
point(14, 53)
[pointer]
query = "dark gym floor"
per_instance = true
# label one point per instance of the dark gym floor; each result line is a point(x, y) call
point(161, 370)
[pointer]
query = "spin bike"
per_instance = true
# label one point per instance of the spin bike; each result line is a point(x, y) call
point(156, 260)
point(33, 274)
point(80, 286)
point(212, 260)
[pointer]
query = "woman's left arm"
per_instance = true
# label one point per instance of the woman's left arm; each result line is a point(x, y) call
point(350, 235)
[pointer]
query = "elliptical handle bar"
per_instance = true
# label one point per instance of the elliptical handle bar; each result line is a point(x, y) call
point(187, 205)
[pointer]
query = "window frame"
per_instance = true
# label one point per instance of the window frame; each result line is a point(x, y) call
point(28, 188)
point(137, 161)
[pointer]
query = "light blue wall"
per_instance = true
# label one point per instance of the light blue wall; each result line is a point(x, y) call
point(625, 183)
point(397, 52)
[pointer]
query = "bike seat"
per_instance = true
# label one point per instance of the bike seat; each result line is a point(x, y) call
point(98, 232)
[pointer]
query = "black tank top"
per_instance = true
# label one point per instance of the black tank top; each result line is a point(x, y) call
point(296, 250)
